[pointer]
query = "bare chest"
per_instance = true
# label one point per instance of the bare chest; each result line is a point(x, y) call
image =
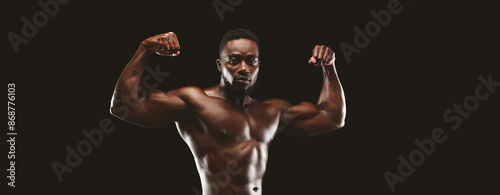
point(227, 122)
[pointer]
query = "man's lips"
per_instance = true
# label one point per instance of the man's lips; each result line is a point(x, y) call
point(242, 78)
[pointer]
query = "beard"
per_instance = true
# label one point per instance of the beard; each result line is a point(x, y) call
point(238, 92)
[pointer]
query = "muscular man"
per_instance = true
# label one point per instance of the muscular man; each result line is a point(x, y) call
point(228, 131)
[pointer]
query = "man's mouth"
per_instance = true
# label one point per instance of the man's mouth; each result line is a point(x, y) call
point(242, 79)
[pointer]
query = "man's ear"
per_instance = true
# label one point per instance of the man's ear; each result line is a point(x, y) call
point(219, 64)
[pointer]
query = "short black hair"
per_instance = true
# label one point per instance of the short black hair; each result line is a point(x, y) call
point(237, 34)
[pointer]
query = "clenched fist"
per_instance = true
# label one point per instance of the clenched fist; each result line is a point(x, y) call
point(322, 56)
point(165, 44)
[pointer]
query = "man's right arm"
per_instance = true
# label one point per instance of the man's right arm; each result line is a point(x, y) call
point(156, 108)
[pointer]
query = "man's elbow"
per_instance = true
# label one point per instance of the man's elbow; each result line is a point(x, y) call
point(113, 112)
point(338, 120)
point(120, 112)
point(337, 124)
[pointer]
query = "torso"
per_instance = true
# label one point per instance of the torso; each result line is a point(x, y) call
point(229, 142)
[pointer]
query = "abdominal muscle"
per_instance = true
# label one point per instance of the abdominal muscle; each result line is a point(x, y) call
point(235, 170)
point(226, 165)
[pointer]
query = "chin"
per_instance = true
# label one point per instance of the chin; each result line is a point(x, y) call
point(241, 92)
point(238, 89)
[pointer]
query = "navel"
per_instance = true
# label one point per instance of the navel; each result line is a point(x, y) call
point(255, 189)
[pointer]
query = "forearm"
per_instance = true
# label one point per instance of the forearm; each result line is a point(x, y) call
point(128, 84)
point(331, 99)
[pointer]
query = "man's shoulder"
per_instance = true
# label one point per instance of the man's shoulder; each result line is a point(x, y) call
point(190, 90)
point(187, 92)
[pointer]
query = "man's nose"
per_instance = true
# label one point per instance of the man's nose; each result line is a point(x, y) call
point(244, 69)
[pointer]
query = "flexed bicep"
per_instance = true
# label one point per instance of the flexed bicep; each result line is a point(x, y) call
point(328, 114)
point(156, 108)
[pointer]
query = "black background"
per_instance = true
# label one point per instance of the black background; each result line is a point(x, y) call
point(427, 59)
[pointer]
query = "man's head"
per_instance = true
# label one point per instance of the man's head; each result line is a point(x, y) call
point(239, 61)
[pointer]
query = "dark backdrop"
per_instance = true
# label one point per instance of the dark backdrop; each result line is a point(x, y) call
point(427, 59)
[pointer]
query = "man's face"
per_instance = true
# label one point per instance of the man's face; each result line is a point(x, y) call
point(239, 65)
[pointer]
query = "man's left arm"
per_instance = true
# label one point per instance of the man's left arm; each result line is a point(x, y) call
point(307, 119)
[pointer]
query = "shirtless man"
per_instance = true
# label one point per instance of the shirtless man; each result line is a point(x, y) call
point(227, 131)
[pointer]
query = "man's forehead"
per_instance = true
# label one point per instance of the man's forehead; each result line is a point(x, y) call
point(241, 46)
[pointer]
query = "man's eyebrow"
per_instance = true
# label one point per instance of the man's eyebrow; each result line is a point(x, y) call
point(234, 55)
point(239, 55)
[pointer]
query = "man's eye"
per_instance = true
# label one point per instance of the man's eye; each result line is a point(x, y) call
point(253, 61)
point(233, 61)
